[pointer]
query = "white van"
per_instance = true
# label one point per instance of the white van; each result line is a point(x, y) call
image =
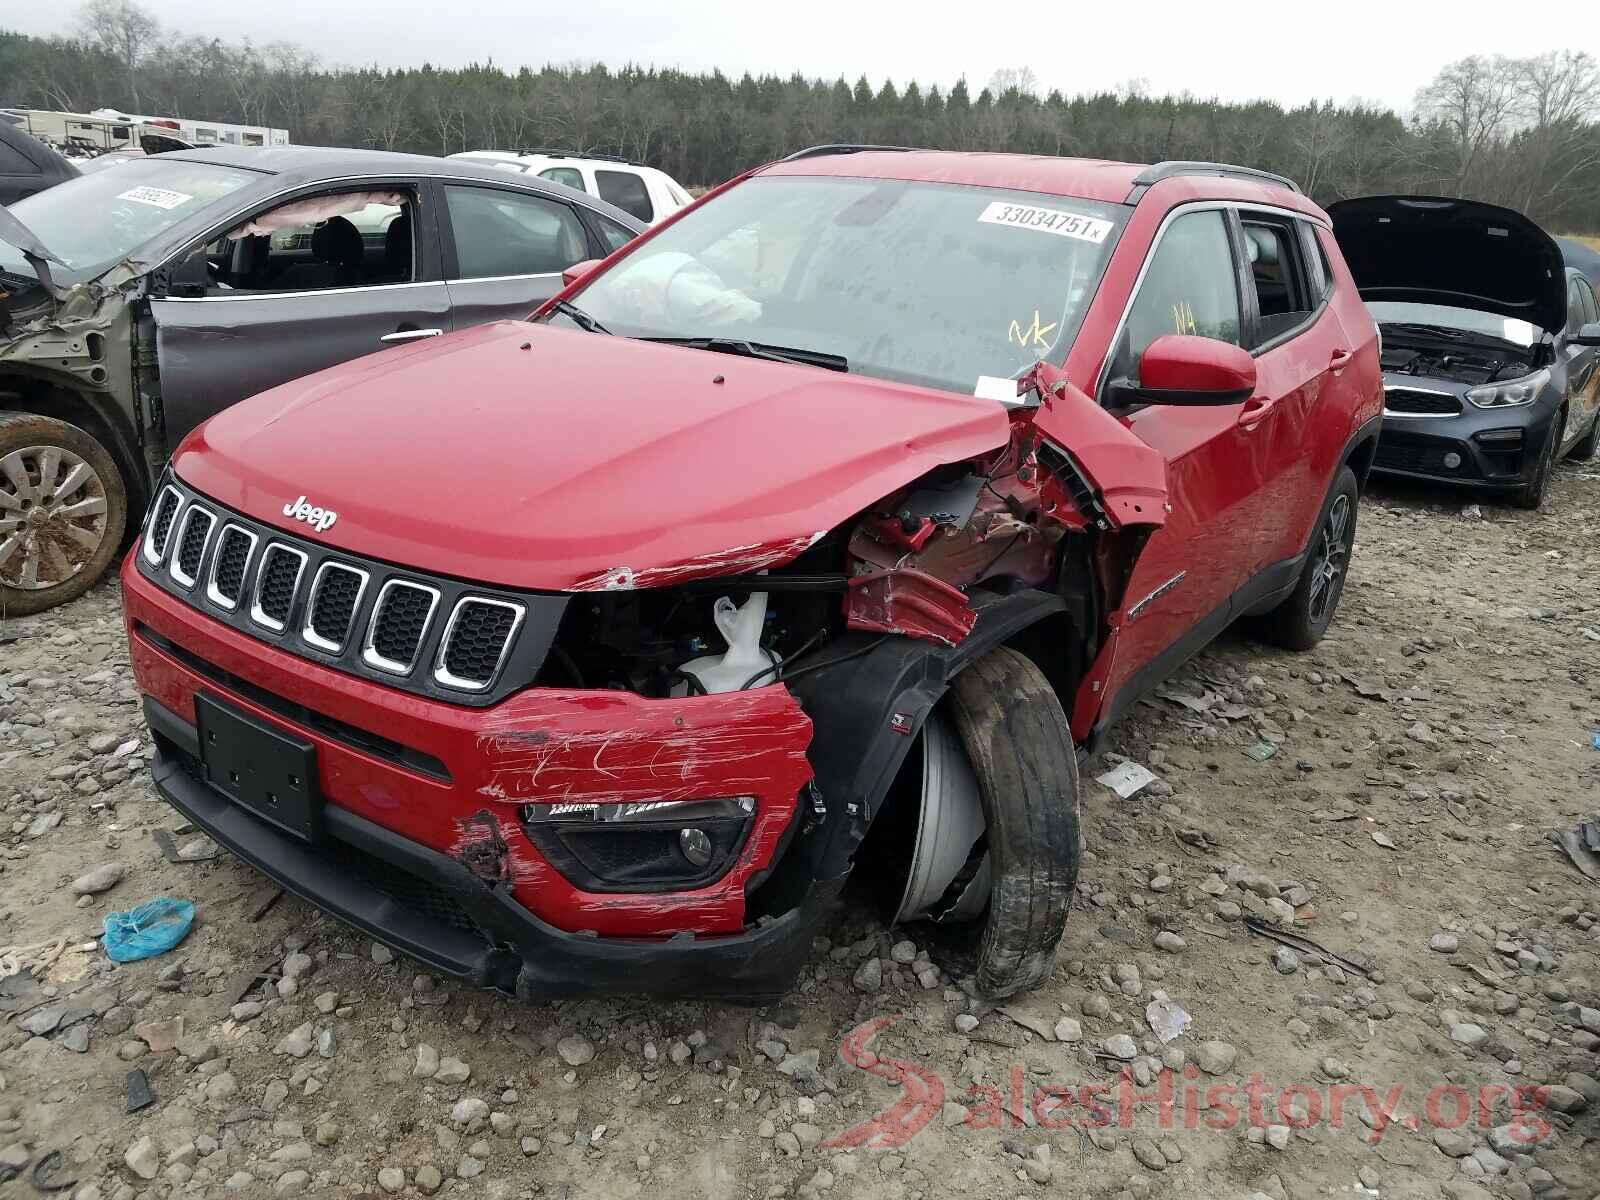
point(647, 193)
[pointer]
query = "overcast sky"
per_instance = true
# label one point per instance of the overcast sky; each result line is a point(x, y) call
point(1290, 52)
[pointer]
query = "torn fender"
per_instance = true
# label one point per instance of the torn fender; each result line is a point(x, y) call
point(1129, 477)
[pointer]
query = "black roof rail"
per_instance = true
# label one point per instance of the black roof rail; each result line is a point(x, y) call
point(1172, 170)
point(552, 152)
point(838, 148)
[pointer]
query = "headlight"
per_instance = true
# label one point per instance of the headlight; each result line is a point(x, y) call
point(1511, 393)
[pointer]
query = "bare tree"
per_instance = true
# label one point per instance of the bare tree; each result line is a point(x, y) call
point(1475, 99)
point(1022, 80)
point(123, 29)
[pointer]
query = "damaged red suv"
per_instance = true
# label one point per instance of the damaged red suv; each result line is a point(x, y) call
point(823, 528)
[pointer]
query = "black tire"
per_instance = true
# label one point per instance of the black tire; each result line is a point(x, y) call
point(1300, 621)
point(1020, 745)
point(77, 539)
point(1532, 494)
point(1583, 449)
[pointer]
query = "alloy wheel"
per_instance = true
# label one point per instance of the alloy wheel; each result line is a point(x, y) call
point(52, 516)
point(1333, 551)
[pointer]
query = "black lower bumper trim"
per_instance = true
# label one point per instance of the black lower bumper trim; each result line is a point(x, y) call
point(499, 943)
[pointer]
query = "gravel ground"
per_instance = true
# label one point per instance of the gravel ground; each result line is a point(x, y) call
point(1424, 754)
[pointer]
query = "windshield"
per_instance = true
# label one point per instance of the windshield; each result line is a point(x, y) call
point(1468, 320)
point(97, 220)
point(938, 284)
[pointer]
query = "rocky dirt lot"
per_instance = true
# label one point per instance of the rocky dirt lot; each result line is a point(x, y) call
point(1425, 753)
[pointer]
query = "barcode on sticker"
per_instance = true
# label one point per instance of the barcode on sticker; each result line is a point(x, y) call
point(158, 197)
point(1048, 220)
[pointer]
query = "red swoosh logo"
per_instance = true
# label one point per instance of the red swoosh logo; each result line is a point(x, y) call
point(921, 1096)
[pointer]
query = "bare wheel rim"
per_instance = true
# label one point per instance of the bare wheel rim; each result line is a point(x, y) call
point(1333, 549)
point(52, 516)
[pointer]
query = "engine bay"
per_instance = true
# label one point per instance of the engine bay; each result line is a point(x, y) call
point(1468, 364)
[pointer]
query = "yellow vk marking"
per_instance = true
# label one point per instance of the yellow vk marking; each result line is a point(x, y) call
point(1034, 335)
point(1183, 318)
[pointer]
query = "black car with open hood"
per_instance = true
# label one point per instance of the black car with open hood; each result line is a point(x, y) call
point(1489, 341)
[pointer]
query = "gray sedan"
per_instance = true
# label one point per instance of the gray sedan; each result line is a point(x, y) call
point(136, 302)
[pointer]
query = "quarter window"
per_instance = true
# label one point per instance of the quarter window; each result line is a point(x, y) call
point(570, 176)
point(1189, 287)
point(512, 233)
point(616, 236)
point(1577, 311)
point(627, 191)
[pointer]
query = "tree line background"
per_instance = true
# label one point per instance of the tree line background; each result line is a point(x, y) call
point(1518, 132)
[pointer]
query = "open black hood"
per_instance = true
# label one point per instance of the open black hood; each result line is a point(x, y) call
point(1432, 250)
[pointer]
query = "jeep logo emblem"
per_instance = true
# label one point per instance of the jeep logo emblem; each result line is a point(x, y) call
point(320, 519)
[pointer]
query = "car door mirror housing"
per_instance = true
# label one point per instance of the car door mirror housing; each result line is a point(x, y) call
point(578, 270)
point(189, 278)
point(1179, 368)
point(1587, 335)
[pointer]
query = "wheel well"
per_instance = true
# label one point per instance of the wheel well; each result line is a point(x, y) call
point(47, 398)
point(1360, 459)
point(1056, 647)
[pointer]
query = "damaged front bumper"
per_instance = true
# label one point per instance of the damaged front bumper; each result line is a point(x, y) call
point(427, 831)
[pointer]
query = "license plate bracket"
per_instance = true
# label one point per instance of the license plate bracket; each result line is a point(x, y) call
point(260, 768)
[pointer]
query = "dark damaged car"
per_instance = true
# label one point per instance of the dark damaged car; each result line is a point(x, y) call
point(137, 301)
point(1490, 342)
point(820, 530)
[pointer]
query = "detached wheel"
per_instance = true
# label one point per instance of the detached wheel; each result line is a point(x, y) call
point(1301, 620)
point(1533, 492)
point(63, 507)
point(978, 842)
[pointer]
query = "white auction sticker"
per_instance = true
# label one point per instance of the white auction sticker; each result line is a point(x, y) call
point(157, 197)
point(1048, 220)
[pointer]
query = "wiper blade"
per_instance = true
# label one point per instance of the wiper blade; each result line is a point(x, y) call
point(788, 354)
point(580, 318)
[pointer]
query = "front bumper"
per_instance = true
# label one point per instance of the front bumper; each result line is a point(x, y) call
point(429, 906)
point(409, 783)
point(1495, 448)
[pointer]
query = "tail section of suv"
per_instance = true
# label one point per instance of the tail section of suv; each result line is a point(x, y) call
point(824, 528)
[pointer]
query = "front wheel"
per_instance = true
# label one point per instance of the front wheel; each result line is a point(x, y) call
point(989, 813)
point(1301, 620)
point(63, 507)
point(1533, 492)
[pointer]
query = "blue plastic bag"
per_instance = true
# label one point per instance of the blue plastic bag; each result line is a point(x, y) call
point(148, 930)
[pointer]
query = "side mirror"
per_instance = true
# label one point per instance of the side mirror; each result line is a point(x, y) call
point(1587, 335)
point(577, 271)
point(191, 277)
point(1180, 368)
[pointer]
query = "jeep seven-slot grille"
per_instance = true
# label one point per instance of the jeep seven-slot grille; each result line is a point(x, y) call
point(161, 522)
point(477, 636)
point(334, 597)
point(399, 623)
point(280, 572)
point(424, 634)
point(227, 572)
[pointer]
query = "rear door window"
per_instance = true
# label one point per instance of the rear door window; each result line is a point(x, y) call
point(1577, 313)
point(1284, 296)
point(627, 191)
point(512, 233)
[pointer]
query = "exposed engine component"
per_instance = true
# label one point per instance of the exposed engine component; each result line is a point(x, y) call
point(1460, 366)
point(745, 663)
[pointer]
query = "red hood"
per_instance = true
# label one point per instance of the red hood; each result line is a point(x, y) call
point(580, 462)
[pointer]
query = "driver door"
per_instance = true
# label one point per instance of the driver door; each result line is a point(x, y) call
point(244, 314)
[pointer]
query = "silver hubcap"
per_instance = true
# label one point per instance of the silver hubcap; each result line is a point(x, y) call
point(52, 516)
point(1332, 550)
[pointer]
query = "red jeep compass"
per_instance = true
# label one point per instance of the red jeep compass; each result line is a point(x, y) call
point(822, 528)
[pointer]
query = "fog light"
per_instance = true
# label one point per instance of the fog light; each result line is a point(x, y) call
point(696, 846)
point(1452, 460)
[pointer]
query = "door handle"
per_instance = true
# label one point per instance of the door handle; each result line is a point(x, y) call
point(1340, 359)
point(1255, 408)
point(410, 335)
